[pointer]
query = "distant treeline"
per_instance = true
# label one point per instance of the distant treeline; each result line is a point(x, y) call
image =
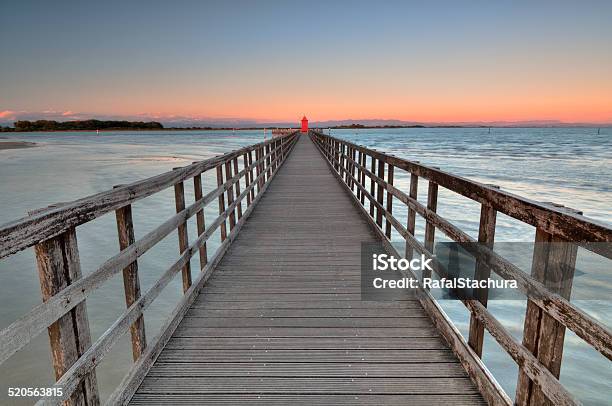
point(352, 126)
point(83, 125)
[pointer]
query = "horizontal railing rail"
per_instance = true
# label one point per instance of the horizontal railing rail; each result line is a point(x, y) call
point(549, 310)
point(45, 223)
point(63, 312)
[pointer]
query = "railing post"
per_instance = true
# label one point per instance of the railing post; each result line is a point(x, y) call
point(372, 183)
point(230, 195)
point(430, 229)
point(179, 199)
point(250, 159)
point(247, 179)
point(411, 223)
point(363, 176)
point(353, 157)
point(200, 220)
point(554, 261)
point(262, 168)
point(236, 171)
point(379, 193)
point(486, 237)
point(268, 160)
point(359, 171)
point(131, 281)
point(59, 266)
point(221, 202)
point(389, 201)
point(337, 156)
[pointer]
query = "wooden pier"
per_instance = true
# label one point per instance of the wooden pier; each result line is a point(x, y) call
point(274, 316)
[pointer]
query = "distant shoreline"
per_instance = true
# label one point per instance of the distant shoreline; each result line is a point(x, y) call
point(271, 128)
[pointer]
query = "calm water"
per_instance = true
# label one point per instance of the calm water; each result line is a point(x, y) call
point(567, 166)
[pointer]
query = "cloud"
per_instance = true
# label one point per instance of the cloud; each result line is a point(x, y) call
point(8, 114)
point(68, 113)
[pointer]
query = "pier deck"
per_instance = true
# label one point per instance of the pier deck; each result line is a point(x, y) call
point(281, 321)
point(273, 314)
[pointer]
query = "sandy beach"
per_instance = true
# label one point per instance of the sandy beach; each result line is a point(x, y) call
point(16, 144)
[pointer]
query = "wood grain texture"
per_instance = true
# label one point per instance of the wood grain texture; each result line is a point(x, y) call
point(45, 223)
point(282, 316)
point(131, 281)
point(59, 266)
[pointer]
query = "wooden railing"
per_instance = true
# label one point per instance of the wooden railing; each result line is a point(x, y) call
point(549, 311)
point(63, 312)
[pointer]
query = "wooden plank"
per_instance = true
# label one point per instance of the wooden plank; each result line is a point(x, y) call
point(294, 369)
point(314, 322)
point(69, 337)
point(326, 385)
point(273, 399)
point(301, 343)
point(179, 199)
point(131, 281)
point(312, 356)
point(339, 332)
point(300, 312)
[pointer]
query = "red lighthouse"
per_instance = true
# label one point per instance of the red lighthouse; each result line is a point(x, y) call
point(304, 124)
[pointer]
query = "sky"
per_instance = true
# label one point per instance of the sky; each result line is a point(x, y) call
point(437, 61)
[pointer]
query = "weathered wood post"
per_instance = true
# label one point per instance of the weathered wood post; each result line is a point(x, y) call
point(236, 171)
point(336, 156)
point(359, 157)
point(131, 281)
point(486, 237)
point(200, 220)
point(363, 176)
point(179, 199)
point(353, 157)
point(379, 193)
point(372, 183)
point(389, 201)
point(59, 266)
point(230, 195)
point(268, 160)
point(554, 261)
point(221, 202)
point(247, 178)
point(430, 229)
point(250, 159)
point(411, 221)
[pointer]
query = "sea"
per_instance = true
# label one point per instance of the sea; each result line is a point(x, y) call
point(568, 166)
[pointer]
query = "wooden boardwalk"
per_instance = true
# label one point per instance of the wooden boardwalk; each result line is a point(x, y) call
point(281, 320)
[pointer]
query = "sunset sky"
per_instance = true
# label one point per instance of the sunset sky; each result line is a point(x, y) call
point(331, 60)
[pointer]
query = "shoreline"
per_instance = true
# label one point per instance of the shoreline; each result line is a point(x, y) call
point(271, 128)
